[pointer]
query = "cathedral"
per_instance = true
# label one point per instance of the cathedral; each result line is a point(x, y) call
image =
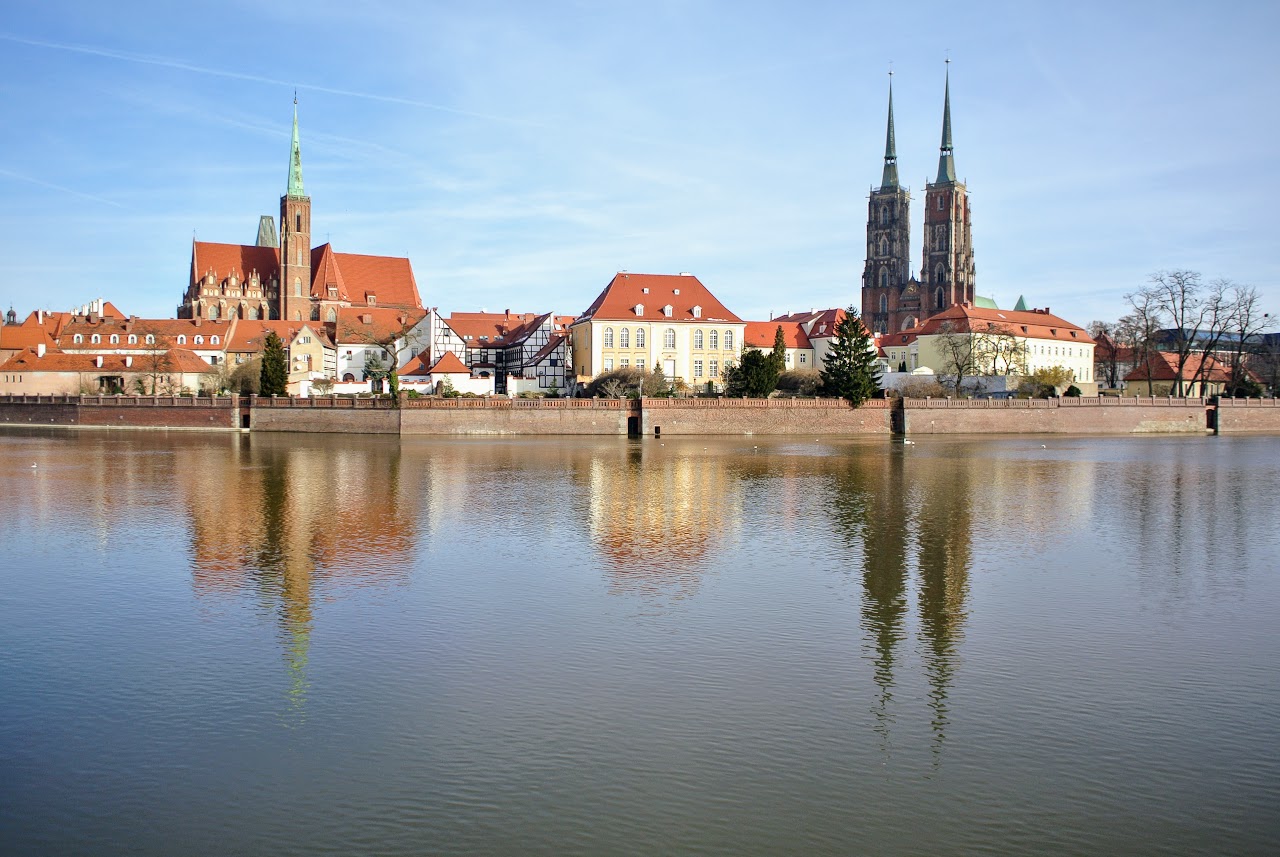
point(893, 299)
point(288, 279)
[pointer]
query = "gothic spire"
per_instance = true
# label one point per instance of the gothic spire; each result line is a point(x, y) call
point(889, 179)
point(946, 162)
point(295, 159)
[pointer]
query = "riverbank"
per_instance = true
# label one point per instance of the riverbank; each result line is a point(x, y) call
point(647, 417)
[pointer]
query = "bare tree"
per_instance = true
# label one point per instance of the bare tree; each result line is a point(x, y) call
point(1177, 297)
point(955, 347)
point(999, 351)
point(1244, 324)
point(1106, 353)
point(155, 361)
point(1139, 331)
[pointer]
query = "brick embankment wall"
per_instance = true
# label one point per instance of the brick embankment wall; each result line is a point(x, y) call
point(321, 415)
point(1055, 416)
point(120, 412)
point(1237, 416)
point(515, 416)
point(764, 416)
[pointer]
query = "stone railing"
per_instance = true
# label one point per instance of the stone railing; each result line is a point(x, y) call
point(333, 402)
point(1224, 402)
point(122, 401)
point(755, 404)
point(1065, 402)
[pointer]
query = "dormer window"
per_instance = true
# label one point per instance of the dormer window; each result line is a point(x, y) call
point(77, 338)
point(640, 308)
point(675, 291)
point(213, 340)
point(151, 339)
point(371, 299)
point(115, 339)
point(182, 339)
point(133, 339)
point(95, 338)
point(199, 340)
point(667, 310)
point(645, 290)
point(697, 312)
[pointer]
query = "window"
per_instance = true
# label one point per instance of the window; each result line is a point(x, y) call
point(940, 297)
point(639, 337)
point(624, 338)
point(939, 203)
point(803, 357)
point(608, 364)
point(150, 339)
point(213, 312)
point(884, 246)
point(940, 276)
point(697, 339)
point(199, 340)
point(714, 369)
point(624, 363)
point(182, 339)
point(884, 280)
point(884, 214)
point(640, 308)
point(640, 364)
point(297, 287)
point(304, 340)
point(697, 368)
point(77, 338)
point(697, 312)
point(95, 338)
point(666, 310)
point(133, 339)
point(884, 300)
point(669, 338)
point(608, 337)
point(115, 339)
point(213, 340)
point(714, 344)
point(728, 340)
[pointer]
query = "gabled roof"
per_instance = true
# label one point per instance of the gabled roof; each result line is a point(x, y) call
point(653, 292)
point(250, 334)
point(557, 339)
point(1036, 324)
point(816, 323)
point(1164, 367)
point(761, 334)
point(418, 364)
point(241, 259)
point(495, 328)
point(166, 331)
point(389, 278)
point(325, 273)
point(16, 337)
point(364, 325)
point(449, 364)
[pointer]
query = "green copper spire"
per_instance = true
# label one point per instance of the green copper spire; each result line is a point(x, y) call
point(295, 159)
point(889, 179)
point(946, 162)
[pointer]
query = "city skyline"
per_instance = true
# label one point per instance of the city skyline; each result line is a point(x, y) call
point(520, 159)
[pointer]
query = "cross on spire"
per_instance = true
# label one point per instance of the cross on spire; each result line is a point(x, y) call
point(946, 160)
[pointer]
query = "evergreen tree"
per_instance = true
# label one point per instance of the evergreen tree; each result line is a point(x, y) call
point(275, 367)
point(778, 357)
point(849, 370)
point(754, 375)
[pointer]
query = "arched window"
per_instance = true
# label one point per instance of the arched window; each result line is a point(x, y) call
point(95, 338)
point(697, 339)
point(182, 339)
point(669, 338)
point(115, 339)
point(728, 340)
point(884, 278)
point(297, 315)
point(297, 287)
point(253, 312)
point(940, 275)
point(213, 311)
point(77, 338)
point(624, 338)
point(608, 337)
point(332, 315)
point(884, 246)
point(199, 340)
point(884, 214)
point(884, 303)
point(151, 339)
point(939, 298)
point(714, 344)
point(213, 340)
point(133, 339)
point(639, 337)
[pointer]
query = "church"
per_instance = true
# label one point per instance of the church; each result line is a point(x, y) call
point(892, 299)
point(288, 279)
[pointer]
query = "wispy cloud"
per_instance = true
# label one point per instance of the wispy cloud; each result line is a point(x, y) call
point(10, 174)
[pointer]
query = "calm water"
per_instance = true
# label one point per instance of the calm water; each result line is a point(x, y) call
point(335, 645)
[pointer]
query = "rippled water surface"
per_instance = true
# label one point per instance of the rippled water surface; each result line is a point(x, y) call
point(216, 644)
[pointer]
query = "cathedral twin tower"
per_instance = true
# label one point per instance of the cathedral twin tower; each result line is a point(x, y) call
point(892, 299)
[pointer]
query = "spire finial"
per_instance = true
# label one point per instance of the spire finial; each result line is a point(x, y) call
point(889, 178)
point(295, 158)
point(946, 162)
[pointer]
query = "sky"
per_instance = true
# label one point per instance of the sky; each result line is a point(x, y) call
point(520, 154)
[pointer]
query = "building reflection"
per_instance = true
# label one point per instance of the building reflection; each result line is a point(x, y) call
point(897, 517)
point(659, 515)
point(288, 522)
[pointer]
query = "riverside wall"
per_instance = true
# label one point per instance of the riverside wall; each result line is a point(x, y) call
point(647, 417)
point(1057, 416)
point(664, 417)
point(1237, 416)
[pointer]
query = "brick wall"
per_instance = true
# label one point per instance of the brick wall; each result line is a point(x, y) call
point(185, 412)
point(516, 416)
point(1055, 416)
point(1248, 415)
point(345, 416)
point(763, 416)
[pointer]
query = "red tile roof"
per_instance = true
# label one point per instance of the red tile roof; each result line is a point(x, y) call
point(166, 330)
point(374, 324)
point(16, 337)
point(449, 364)
point(1164, 367)
point(251, 334)
point(58, 361)
point(418, 364)
point(652, 292)
point(389, 278)
point(498, 328)
point(242, 259)
point(760, 334)
point(1035, 324)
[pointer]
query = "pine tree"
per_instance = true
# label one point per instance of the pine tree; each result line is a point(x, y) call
point(275, 374)
point(849, 370)
point(778, 357)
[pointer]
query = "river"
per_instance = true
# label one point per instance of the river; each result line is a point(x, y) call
point(291, 644)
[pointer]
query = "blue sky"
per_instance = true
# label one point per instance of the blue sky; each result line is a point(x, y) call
point(521, 153)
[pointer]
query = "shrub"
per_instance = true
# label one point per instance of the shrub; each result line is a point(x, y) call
point(921, 387)
point(800, 382)
point(1073, 391)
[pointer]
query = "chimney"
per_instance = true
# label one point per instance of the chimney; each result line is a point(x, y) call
point(39, 349)
point(39, 316)
point(197, 320)
point(97, 361)
point(93, 317)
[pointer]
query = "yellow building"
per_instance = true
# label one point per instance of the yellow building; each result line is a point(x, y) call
point(656, 321)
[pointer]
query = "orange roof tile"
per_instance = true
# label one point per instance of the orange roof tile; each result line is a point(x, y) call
point(1035, 324)
point(374, 324)
point(1164, 367)
point(243, 259)
point(166, 330)
point(389, 278)
point(449, 364)
point(494, 328)
point(652, 292)
point(418, 364)
point(58, 361)
point(761, 334)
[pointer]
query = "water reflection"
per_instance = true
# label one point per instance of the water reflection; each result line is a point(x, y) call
point(285, 518)
point(895, 516)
